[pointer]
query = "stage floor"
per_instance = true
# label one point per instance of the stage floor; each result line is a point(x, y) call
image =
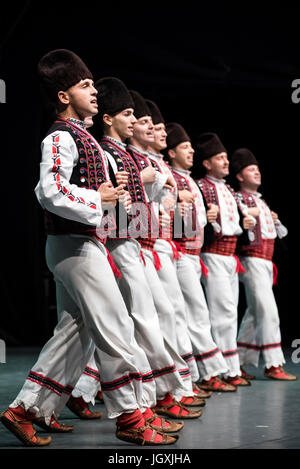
point(265, 415)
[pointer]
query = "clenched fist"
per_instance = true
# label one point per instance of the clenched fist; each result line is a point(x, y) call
point(109, 195)
point(248, 223)
point(148, 175)
point(186, 196)
point(212, 212)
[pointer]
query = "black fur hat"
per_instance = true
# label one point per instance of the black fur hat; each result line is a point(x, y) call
point(240, 159)
point(208, 144)
point(140, 107)
point(59, 70)
point(175, 135)
point(156, 115)
point(113, 96)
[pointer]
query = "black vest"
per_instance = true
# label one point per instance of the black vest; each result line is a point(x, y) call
point(146, 224)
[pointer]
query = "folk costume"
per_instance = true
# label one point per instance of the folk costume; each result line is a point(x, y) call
point(89, 303)
point(218, 254)
point(167, 251)
point(259, 332)
point(125, 248)
point(190, 268)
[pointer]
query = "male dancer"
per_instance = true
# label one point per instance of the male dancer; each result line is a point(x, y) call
point(218, 253)
point(116, 109)
point(165, 247)
point(260, 329)
point(74, 189)
point(209, 358)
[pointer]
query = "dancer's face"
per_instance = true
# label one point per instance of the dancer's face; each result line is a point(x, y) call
point(250, 176)
point(160, 137)
point(143, 131)
point(217, 166)
point(123, 122)
point(182, 156)
point(80, 100)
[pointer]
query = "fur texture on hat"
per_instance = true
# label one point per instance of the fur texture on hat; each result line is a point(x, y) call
point(140, 107)
point(113, 96)
point(175, 135)
point(60, 69)
point(241, 158)
point(208, 144)
point(156, 115)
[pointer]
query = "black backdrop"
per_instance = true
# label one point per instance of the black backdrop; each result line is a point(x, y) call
point(228, 70)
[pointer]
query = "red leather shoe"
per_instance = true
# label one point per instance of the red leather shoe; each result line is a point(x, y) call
point(54, 426)
point(237, 381)
point(192, 401)
point(200, 392)
point(81, 408)
point(246, 375)
point(22, 428)
point(145, 436)
point(277, 372)
point(216, 384)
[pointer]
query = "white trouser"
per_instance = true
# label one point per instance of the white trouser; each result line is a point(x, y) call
point(91, 309)
point(222, 292)
point(209, 358)
point(167, 322)
point(260, 328)
point(168, 277)
point(139, 301)
point(88, 384)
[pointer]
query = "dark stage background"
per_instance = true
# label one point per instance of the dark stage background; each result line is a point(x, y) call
point(227, 70)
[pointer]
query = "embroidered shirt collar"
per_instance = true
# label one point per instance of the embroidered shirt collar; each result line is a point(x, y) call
point(77, 122)
point(184, 172)
point(217, 180)
point(138, 150)
point(157, 156)
point(117, 142)
point(255, 193)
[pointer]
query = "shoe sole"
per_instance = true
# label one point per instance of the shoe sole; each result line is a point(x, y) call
point(141, 442)
point(223, 390)
point(51, 429)
point(181, 417)
point(280, 379)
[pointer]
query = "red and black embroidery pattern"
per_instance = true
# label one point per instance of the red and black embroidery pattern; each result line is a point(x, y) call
point(144, 218)
point(90, 172)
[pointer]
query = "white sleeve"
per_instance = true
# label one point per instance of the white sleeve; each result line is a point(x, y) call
point(54, 191)
point(154, 190)
point(281, 230)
